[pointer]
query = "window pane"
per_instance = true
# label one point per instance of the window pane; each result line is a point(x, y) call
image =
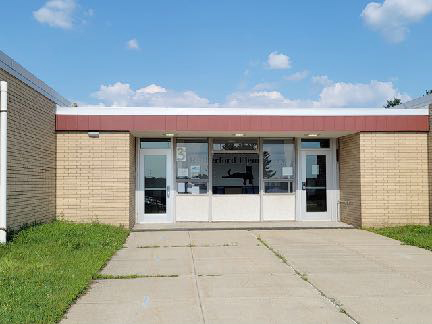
point(191, 188)
point(235, 173)
point(192, 159)
point(315, 143)
point(278, 187)
point(316, 183)
point(278, 159)
point(155, 171)
point(155, 201)
point(235, 145)
point(155, 143)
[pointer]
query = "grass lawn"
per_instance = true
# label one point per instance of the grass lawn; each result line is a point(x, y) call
point(416, 235)
point(46, 267)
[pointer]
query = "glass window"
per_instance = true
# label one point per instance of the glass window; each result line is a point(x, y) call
point(235, 144)
point(278, 159)
point(155, 143)
point(278, 187)
point(278, 165)
point(192, 166)
point(235, 173)
point(192, 187)
point(308, 143)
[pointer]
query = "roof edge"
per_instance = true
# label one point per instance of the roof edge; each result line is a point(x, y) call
point(18, 71)
point(154, 111)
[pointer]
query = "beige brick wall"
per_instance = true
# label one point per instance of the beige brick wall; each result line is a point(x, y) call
point(96, 178)
point(31, 154)
point(393, 188)
point(430, 163)
point(349, 175)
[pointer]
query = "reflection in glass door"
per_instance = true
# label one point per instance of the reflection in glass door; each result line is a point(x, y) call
point(316, 183)
point(315, 177)
point(155, 179)
point(154, 192)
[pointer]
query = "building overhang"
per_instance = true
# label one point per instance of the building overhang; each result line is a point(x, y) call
point(250, 121)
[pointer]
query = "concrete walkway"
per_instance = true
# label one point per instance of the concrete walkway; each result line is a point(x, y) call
point(261, 276)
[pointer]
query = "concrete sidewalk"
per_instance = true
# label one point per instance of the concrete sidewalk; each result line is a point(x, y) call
point(302, 276)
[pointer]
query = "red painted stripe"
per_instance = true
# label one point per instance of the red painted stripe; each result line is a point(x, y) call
point(241, 123)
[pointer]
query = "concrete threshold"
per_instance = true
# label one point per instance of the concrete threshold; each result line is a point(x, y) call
point(215, 226)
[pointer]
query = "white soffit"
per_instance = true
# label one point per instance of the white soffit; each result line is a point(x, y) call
point(16, 70)
point(153, 111)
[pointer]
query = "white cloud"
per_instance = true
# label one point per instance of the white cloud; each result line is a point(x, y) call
point(278, 61)
point(122, 95)
point(392, 17)
point(264, 86)
point(298, 76)
point(334, 95)
point(132, 44)
point(374, 93)
point(151, 89)
point(56, 13)
point(322, 80)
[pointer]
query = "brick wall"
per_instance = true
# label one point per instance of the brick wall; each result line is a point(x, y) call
point(349, 183)
point(430, 163)
point(31, 154)
point(96, 178)
point(392, 186)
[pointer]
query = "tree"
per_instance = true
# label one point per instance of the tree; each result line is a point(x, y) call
point(392, 103)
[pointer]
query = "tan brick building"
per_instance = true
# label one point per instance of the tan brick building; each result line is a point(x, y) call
point(31, 166)
point(365, 167)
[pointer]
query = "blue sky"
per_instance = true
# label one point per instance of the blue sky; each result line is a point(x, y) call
point(333, 53)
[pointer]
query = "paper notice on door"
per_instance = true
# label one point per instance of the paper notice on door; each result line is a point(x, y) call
point(182, 172)
point(287, 171)
point(315, 169)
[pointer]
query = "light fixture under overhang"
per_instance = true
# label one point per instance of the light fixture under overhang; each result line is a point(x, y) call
point(312, 135)
point(238, 135)
point(169, 134)
point(93, 134)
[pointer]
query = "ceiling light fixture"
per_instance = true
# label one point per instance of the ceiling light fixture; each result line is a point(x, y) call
point(169, 134)
point(239, 135)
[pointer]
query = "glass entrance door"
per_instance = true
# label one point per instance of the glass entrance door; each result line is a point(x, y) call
point(314, 185)
point(155, 184)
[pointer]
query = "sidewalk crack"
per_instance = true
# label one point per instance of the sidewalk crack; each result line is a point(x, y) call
point(304, 277)
point(195, 276)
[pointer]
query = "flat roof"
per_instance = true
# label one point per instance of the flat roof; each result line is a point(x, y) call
point(154, 111)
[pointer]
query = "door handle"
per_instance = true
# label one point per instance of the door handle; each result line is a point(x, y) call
point(168, 189)
point(303, 185)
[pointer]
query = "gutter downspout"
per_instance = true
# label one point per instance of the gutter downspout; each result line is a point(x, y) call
point(3, 161)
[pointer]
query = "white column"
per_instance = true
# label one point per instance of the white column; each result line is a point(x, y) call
point(3, 160)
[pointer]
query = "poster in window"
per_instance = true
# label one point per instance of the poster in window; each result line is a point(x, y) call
point(315, 169)
point(181, 153)
point(182, 172)
point(287, 171)
point(195, 170)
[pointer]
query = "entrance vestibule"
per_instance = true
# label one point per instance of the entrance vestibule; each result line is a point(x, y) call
point(235, 179)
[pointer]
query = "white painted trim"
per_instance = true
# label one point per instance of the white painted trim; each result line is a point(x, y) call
point(143, 218)
point(19, 72)
point(152, 111)
point(3, 161)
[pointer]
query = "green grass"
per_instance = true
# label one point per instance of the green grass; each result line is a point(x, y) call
point(415, 235)
point(46, 267)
